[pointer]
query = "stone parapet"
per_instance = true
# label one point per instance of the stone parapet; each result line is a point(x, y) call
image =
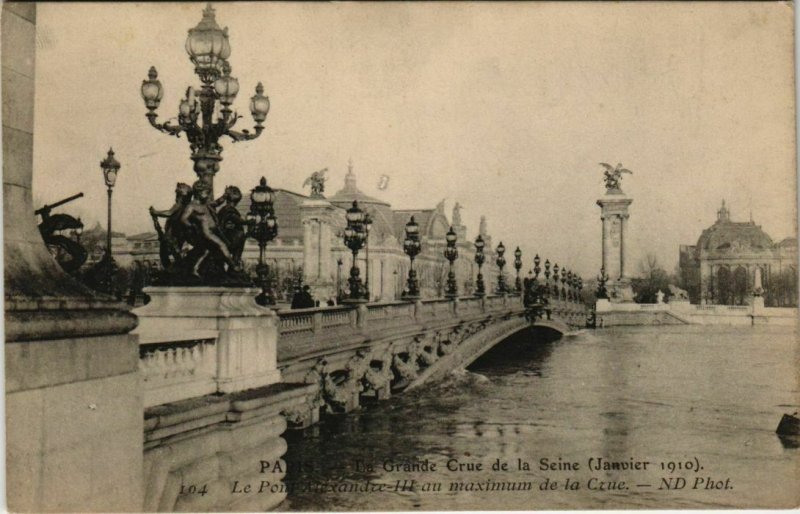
point(197, 451)
point(198, 340)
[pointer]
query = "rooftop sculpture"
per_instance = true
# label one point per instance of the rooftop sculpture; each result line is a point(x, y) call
point(613, 177)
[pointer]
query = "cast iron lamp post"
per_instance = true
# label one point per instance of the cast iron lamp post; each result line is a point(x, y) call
point(501, 262)
point(536, 270)
point(518, 266)
point(451, 253)
point(480, 289)
point(570, 285)
point(563, 283)
point(339, 263)
point(209, 49)
point(412, 247)
point(110, 167)
point(556, 292)
point(367, 228)
point(263, 227)
point(354, 239)
point(547, 277)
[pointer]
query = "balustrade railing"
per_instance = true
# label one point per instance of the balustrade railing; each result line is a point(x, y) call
point(178, 369)
point(310, 323)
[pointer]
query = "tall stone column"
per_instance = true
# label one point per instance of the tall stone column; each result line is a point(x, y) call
point(614, 213)
point(317, 216)
point(73, 400)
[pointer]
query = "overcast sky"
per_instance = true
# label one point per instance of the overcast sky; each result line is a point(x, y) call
point(505, 108)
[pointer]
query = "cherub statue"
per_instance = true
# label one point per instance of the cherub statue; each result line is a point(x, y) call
point(200, 218)
point(317, 182)
point(231, 223)
point(173, 236)
point(613, 176)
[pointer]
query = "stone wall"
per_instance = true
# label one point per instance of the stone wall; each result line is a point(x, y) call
point(73, 400)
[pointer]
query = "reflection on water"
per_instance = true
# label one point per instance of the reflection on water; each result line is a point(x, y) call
point(654, 394)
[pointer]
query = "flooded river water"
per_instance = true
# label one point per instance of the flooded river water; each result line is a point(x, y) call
point(696, 403)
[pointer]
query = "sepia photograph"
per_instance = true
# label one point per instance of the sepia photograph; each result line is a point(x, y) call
point(364, 256)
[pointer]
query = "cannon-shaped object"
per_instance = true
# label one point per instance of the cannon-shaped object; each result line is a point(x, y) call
point(69, 254)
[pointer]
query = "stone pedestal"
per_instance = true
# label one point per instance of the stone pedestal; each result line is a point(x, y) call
point(614, 214)
point(758, 305)
point(602, 305)
point(247, 334)
point(318, 217)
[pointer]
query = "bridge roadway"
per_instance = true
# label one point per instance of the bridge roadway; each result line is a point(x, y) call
point(332, 359)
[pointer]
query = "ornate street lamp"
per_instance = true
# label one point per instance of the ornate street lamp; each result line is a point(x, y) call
point(563, 282)
point(412, 247)
point(480, 289)
point(518, 266)
point(580, 288)
point(367, 228)
point(501, 262)
point(547, 277)
point(354, 239)
point(570, 285)
point(451, 254)
point(263, 227)
point(104, 272)
point(339, 263)
point(209, 49)
point(556, 292)
point(110, 167)
point(536, 270)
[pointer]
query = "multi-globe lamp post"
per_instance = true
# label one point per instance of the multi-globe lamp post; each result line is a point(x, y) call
point(480, 244)
point(263, 227)
point(451, 254)
point(209, 49)
point(517, 266)
point(536, 270)
point(354, 239)
point(501, 262)
point(412, 247)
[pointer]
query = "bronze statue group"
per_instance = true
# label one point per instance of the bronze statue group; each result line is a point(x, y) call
point(202, 239)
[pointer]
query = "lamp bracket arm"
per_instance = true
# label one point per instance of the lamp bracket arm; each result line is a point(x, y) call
point(244, 135)
point(165, 127)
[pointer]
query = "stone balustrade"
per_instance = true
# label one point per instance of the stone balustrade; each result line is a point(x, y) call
point(189, 365)
point(174, 370)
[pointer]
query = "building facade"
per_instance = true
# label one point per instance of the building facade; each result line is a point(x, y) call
point(721, 267)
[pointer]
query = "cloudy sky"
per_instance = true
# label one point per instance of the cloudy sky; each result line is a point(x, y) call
point(505, 108)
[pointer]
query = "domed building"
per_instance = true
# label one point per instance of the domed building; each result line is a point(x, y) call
point(721, 267)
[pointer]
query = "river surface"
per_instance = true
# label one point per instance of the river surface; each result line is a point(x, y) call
point(698, 396)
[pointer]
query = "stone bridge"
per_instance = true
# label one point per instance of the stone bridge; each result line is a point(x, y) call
point(212, 401)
